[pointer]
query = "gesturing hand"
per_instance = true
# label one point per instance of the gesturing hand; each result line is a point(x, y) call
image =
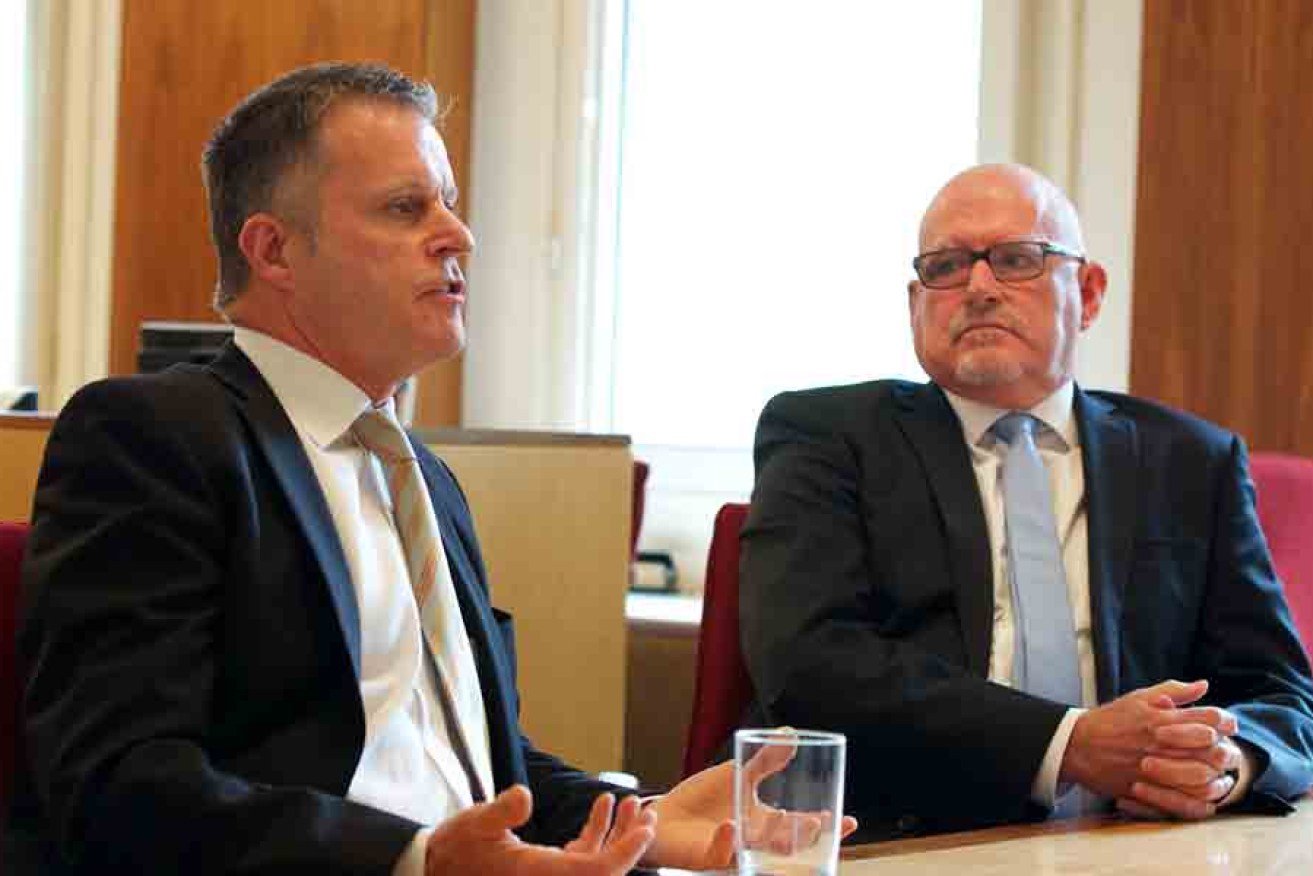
point(479, 840)
point(695, 827)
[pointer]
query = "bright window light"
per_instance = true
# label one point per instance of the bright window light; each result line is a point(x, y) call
point(775, 158)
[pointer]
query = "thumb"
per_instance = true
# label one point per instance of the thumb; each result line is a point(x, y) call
point(1179, 693)
point(771, 758)
point(509, 810)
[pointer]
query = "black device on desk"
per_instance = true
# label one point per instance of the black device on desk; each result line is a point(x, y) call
point(653, 572)
point(19, 398)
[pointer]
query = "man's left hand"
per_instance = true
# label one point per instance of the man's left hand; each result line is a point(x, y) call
point(1188, 774)
point(695, 821)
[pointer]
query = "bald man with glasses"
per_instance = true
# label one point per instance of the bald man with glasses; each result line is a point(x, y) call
point(1018, 598)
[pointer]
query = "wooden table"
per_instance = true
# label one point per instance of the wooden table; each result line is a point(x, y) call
point(1252, 845)
point(1241, 845)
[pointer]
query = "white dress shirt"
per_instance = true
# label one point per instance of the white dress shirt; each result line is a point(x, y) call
point(408, 766)
point(1059, 448)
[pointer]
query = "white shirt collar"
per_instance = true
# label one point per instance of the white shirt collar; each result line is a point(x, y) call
point(320, 402)
point(1055, 411)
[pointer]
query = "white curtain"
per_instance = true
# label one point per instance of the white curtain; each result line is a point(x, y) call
point(1060, 91)
point(70, 201)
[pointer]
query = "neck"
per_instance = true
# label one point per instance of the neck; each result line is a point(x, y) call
point(252, 311)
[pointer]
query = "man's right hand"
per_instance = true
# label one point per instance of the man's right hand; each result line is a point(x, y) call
point(479, 840)
point(1109, 744)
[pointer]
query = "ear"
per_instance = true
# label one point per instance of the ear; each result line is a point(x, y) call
point(913, 291)
point(263, 240)
point(1093, 286)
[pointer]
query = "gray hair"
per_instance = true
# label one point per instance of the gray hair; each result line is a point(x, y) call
point(273, 133)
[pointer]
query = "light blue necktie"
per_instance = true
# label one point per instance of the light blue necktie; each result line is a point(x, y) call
point(1044, 659)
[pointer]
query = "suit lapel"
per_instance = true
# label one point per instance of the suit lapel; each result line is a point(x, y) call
point(935, 434)
point(276, 437)
point(496, 677)
point(1110, 455)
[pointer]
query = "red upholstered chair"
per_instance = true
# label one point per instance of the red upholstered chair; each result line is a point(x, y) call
point(13, 536)
point(722, 689)
point(1284, 485)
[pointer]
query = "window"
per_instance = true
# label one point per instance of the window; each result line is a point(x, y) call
point(773, 163)
point(762, 172)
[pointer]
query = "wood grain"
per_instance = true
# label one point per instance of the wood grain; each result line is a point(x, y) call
point(184, 65)
point(1223, 323)
point(22, 444)
point(553, 521)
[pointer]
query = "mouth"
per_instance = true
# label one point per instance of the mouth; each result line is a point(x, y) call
point(453, 290)
point(983, 326)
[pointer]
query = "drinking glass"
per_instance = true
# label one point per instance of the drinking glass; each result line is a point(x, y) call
point(788, 801)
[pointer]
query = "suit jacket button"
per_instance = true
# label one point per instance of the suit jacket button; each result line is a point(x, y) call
point(907, 823)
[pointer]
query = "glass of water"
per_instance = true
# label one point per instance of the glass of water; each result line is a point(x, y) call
point(788, 801)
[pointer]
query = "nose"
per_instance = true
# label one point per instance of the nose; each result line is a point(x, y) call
point(981, 282)
point(450, 237)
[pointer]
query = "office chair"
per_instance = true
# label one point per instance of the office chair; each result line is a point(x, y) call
point(1284, 484)
point(722, 689)
point(13, 537)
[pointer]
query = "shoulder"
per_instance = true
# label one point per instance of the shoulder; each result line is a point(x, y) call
point(839, 405)
point(1159, 422)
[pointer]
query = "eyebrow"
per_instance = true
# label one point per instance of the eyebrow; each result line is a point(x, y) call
point(449, 193)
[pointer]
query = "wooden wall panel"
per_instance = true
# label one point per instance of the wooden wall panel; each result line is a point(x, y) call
point(184, 65)
point(1223, 318)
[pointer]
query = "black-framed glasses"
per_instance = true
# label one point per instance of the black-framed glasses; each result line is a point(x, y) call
point(1011, 261)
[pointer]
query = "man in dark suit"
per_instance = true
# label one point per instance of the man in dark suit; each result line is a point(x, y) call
point(227, 670)
point(879, 596)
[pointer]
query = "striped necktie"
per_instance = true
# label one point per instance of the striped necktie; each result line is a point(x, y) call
point(435, 594)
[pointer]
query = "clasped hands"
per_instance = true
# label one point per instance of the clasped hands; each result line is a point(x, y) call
point(1156, 753)
point(691, 828)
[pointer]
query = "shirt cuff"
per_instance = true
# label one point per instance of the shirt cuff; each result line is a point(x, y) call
point(411, 862)
point(1044, 788)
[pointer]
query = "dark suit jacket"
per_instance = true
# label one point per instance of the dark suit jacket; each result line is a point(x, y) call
point(867, 597)
point(192, 645)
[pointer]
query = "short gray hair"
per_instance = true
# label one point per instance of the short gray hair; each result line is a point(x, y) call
point(272, 132)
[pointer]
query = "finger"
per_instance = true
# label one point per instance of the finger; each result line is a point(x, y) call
point(1174, 773)
point(1221, 720)
point(509, 810)
point(761, 826)
point(847, 826)
point(628, 815)
point(595, 829)
point(1173, 802)
point(792, 833)
point(1223, 756)
point(720, 851)
point(1185, 736)
point(1180, 693)
point(623, 851)
point(768, 760)
point(1136, 809)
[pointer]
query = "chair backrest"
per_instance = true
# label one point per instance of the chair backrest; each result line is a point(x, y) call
point(722, 690)
point(1284, 485)
point(638, 503)
point(13, 537)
